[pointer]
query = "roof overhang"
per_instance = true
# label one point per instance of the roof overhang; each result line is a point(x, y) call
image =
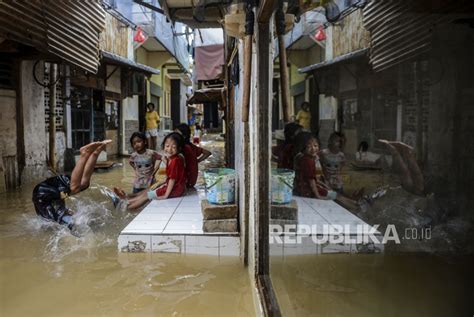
point(187, 12)
point(113, 59)
point(207, 95)
point(336, 61)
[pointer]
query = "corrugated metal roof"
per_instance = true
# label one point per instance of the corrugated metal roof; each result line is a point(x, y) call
point(116, 59)
point(336, 61)
point(401, 30)
point(67, 29)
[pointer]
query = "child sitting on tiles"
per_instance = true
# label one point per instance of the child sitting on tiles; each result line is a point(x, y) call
point(193, 154)
point(332, 161)
point(307, 181)
point(175, 183)
point(143, 161)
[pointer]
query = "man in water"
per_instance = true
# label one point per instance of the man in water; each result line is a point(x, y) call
point(49, 196)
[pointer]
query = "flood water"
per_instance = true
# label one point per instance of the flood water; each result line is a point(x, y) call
point(373, 285)
point(45, 271)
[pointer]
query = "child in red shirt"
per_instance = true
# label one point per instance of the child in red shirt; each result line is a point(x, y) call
point(193, 155)
point(307, 182)
point(175, 183)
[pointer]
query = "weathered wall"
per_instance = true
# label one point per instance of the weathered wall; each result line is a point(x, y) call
point(112, 149)
point(8, 140)
point(115, 38)
point(33, 125)
point(129, 122)
point(349, 35)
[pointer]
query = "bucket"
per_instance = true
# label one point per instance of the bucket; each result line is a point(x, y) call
point(220, 185)
point(282, 185)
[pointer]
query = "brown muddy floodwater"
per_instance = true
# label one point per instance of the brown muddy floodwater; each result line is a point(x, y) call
point(45, 271)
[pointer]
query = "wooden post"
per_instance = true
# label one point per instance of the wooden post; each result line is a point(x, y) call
point(52, 116)
point(249, 30)
point(264, 115)
point(247, 77)
point(285, 89)
point(284, 85)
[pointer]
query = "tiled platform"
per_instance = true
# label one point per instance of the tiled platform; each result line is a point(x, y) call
point(175, 225)
point(317, 213)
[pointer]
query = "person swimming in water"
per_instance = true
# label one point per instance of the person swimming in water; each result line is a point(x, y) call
point(49, 196)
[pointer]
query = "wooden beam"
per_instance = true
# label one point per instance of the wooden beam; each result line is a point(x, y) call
point(265, 10)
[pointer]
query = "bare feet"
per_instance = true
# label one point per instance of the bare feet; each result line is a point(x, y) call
point(120, 193)
point(89, 148)
point(100, 148)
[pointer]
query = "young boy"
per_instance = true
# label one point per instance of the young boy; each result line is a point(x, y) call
point(49, 196)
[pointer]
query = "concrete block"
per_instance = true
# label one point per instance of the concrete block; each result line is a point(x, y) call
point(214, 212)
point(220, 225)
point(286, 212)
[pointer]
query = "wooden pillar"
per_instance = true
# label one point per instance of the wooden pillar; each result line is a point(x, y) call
point(284, 84)
point(264, 69)
point(247, 77)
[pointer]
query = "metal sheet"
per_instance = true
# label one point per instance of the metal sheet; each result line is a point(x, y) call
point(336, 61)
point(401, 30)
point(111, 58)
point(68, 29)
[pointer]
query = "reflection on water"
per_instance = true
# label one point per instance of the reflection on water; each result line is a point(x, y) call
point(373, 285)
point(46, 271)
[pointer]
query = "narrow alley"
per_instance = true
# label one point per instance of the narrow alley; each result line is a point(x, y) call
point(236, 158)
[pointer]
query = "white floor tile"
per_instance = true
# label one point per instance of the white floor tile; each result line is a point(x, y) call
point(189, 203)
point(142, 231)
point(153, 217)
point(164, 203)
point(184, 225)
point(196, 209)
point(146, 224)
point(202, 245)
point(158, 210)
point(187, 216)
point(183, 231)
point(229, 246)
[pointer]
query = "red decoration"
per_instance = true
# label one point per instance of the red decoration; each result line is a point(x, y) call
point(320, 34)
point(139, 36)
